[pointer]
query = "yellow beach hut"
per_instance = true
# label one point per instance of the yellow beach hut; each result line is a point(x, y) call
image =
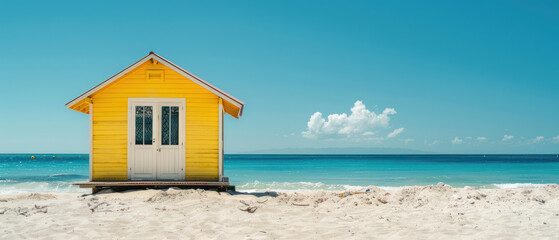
point(155, 124)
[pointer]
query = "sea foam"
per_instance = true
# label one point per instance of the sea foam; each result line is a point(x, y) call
point(257, 186)
point(40, 187)
point(519, 185)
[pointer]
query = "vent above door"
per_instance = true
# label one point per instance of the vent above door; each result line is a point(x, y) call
point(154, 75)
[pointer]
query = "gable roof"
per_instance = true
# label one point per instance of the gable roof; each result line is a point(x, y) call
point(174, 67)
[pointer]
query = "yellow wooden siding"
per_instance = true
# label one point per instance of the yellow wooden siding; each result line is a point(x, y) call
point(110, 114)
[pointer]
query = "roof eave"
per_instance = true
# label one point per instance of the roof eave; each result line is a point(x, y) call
point(108, 81)
point(169, 64)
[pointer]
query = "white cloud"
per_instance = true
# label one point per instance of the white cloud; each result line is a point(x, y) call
point(556, 139)
point(457, 140)
point(481, 138)
point(435, 142)
point(395, 133)
point(408, 140)
point(537, 139)
point(507, 138)
point(361, 124)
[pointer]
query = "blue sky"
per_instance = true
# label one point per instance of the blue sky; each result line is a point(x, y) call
point(452, 77)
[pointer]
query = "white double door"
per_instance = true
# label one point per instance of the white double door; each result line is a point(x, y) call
point(156, 139)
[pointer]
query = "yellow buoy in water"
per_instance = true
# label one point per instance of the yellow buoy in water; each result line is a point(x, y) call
point(32, 157)
point(53, 156)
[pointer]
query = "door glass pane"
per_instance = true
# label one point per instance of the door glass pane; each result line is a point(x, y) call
point(139, 125)
point(165, 125)
point(174, 126)
point(148, 125)
point(169, 125)
point(144, 125)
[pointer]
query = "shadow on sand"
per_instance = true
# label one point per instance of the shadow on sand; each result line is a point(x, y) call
point(256, 194)
point(232, 193)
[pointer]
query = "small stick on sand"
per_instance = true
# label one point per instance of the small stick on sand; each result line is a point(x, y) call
point(249, 209)
point(96, 206)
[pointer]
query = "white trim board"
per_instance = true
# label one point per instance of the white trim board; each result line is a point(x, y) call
point(220, 112)
point(90, 141)
point(170, 65)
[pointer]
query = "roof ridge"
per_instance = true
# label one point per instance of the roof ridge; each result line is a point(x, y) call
point(153, 55)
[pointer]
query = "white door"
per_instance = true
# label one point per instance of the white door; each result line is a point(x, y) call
point(156, 139)
point(144, 143)
point(170, 158)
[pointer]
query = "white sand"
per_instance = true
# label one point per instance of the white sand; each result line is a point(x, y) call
point(428, 212)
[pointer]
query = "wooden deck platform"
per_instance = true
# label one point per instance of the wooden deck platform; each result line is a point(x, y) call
point(97, 186)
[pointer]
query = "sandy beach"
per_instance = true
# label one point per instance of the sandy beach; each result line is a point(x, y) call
point(423, 212)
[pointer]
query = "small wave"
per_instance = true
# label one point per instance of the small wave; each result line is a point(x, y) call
point(518, 185)
point(258, 186)
point(66, 175)
point(8, 181)
point(59, 174)
point(441, 178)
point(34, 187)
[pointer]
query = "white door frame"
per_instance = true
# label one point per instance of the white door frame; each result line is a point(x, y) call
point(156, 133)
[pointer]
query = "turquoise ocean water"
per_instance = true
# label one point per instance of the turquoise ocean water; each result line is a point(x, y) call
point(20, 173)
